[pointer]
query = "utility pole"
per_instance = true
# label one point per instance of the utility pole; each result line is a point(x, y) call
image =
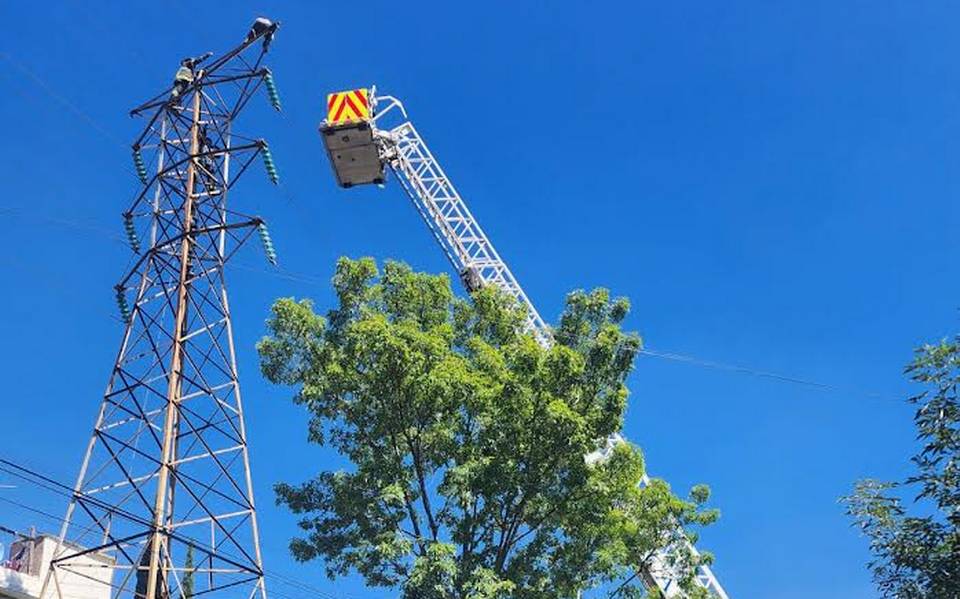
point(167, 470)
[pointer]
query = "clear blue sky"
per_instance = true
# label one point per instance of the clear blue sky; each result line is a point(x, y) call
point(773, 184)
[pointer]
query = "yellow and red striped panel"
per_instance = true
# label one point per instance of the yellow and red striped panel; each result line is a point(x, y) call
point(343, 107)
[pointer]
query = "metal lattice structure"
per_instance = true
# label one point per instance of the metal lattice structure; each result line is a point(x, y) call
point(471, 253)
point(166, 471)
point(449, 219)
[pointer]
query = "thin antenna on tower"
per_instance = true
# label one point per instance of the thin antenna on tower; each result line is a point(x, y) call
point(167, 467)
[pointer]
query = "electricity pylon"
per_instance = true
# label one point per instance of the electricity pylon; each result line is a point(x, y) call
point(167, 467)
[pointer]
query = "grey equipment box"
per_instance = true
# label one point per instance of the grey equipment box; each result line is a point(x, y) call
point(353, 153)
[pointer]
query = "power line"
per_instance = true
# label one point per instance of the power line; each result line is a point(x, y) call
point(52, 485)
point(64, 222)
point(316, 280)
point(279, 272)
point(686, 359)
point(43, 85)
point(319, 281)
point(48, 89)
point(103, 131)
point(26, 507)
point(42, 513)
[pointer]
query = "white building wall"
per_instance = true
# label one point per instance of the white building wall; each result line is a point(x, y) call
point(89, 578)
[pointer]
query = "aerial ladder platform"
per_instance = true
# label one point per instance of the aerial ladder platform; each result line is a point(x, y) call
point(365, 136)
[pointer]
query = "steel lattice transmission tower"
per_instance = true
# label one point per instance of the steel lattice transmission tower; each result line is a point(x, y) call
point(167, 466)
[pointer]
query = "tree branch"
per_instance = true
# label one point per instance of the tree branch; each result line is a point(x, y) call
point(421, 480)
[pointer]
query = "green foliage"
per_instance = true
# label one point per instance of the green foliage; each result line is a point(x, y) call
point(467, 442)
point(918, 556)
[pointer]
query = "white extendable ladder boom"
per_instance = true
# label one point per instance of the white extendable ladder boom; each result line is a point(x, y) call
point(470, 251)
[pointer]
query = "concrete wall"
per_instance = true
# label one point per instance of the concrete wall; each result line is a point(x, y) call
point(89, 578)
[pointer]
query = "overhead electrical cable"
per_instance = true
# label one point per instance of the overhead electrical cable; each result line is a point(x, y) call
point(52, 485)
point(311, 279)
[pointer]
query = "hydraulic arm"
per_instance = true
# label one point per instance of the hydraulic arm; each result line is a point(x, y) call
point(361, 147)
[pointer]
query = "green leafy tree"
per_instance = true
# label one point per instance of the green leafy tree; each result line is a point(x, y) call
point(186, 583)
point(918, 556)
point(467, 442)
